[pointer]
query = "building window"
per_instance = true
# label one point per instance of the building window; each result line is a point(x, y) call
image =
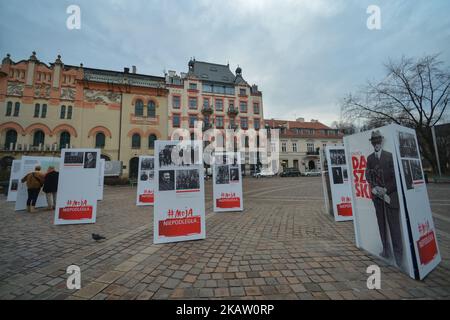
point(136, 141)
point(192, 103)
point(8, 109)
point(257, 123)
point(38, 138)
point(219, 122)
point(243, 106)
point(100, 140)
point(63, 112)
point(151, 109)
point(283, 147)
point(231, 104)
point(69, 112)
point(176, 121)
point(151, 141)
point(64, 140)
point(310, 147)
point(242, 92)
point(244, 123)
point(176, 102)
point(37, 109)
point(192, 86)
point(16, 109)
point(192, 119)
point(11, 138)
point(294, 147)
point(44, 111)
point(139, 108)
point(219, 105)
point(256, 108)
point(205, 103)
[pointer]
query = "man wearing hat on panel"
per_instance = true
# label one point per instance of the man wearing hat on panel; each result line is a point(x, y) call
point(380, 175)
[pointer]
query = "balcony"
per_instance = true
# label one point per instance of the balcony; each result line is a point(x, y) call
point(233, 112)
point(206, 126)
point(233, 126)
point(207, 110)
point(312, 153)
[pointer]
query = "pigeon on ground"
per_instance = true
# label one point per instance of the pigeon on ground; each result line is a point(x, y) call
point(97, 237)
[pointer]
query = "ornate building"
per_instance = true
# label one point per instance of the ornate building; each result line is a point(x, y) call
point(212, 93)
point(45, 107)
point(301, 142)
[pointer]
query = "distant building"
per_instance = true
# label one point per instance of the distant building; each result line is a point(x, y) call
point(301, 142)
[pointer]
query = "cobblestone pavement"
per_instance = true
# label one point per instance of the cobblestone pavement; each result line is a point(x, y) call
point(281, 247)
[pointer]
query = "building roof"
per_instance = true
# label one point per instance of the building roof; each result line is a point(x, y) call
point(292, 129)
point(296, 124)
point(213, 72)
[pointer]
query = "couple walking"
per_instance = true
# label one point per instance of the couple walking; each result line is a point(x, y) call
point(36, 181)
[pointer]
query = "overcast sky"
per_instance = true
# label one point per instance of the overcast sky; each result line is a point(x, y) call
point(304, 55)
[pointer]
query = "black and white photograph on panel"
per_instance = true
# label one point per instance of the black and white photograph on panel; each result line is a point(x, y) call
point(165, 156)
point(222, 174)
point(74, 158)
point(408, 146)
point(187, 179)
point(408, 175)
point(90, 160)
point(234, 174)
point(416, 170)
point(337, 175)
point(166, 180)
point(148, 164)
point(337, 157)
point(345, 173)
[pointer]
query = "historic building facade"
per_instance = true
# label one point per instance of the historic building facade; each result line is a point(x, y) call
point(215, 95)
point(301, 142)
point(45, 107)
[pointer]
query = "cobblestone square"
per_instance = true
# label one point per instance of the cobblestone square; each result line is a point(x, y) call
point(281, 247)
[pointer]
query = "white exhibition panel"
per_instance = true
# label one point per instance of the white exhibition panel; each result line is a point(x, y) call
point(227, 182)
point(28, 165)
point(14, 180)
point(78, 186)
point(339, 183)
point(101, 179)
point(145, 194)
point(179, 209)
point(385, 200)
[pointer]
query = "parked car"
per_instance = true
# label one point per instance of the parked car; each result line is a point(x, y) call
point(290, 172)
point(263, 173)
point(312, 173)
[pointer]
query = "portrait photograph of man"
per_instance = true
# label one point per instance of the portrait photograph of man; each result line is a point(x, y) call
point(234, 174)
point(165, 156)
point(90, 160)
point(408, 175)
point(166, 180)
point(380, 174)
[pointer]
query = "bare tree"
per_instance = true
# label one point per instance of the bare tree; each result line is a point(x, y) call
point(414, 93)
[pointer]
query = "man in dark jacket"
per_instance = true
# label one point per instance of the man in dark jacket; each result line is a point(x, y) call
point(380, 174)
point(51, 187)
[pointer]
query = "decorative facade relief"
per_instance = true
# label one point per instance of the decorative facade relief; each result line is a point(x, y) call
point(101, 97)
point(15, 89)
point(42, 91)
point(67, 94)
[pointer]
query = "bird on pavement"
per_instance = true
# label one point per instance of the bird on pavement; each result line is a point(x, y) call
point(97, 237)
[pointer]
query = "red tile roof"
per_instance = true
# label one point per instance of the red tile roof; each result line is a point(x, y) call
point(291, 133)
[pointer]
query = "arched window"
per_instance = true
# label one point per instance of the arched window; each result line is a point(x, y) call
point(8, 109)
point(139, 108)
point(100, 140)
point(37, 109)
point(44, 111)
point(38, 138)
point(136, 141)
point(151, 141)
point(11, 137)
point(64, 140)
point(69, 112)
point(16, 109)
point(63, 112)
point(151, 109)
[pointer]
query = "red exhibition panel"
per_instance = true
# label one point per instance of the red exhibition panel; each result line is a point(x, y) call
point(228, 203)
point(75, 213)
point(344, 209)
point(427, 247)
point(178, 227)
point(147, 198)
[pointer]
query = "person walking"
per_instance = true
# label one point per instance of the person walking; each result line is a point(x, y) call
point(51, 187)
point(34, 181)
